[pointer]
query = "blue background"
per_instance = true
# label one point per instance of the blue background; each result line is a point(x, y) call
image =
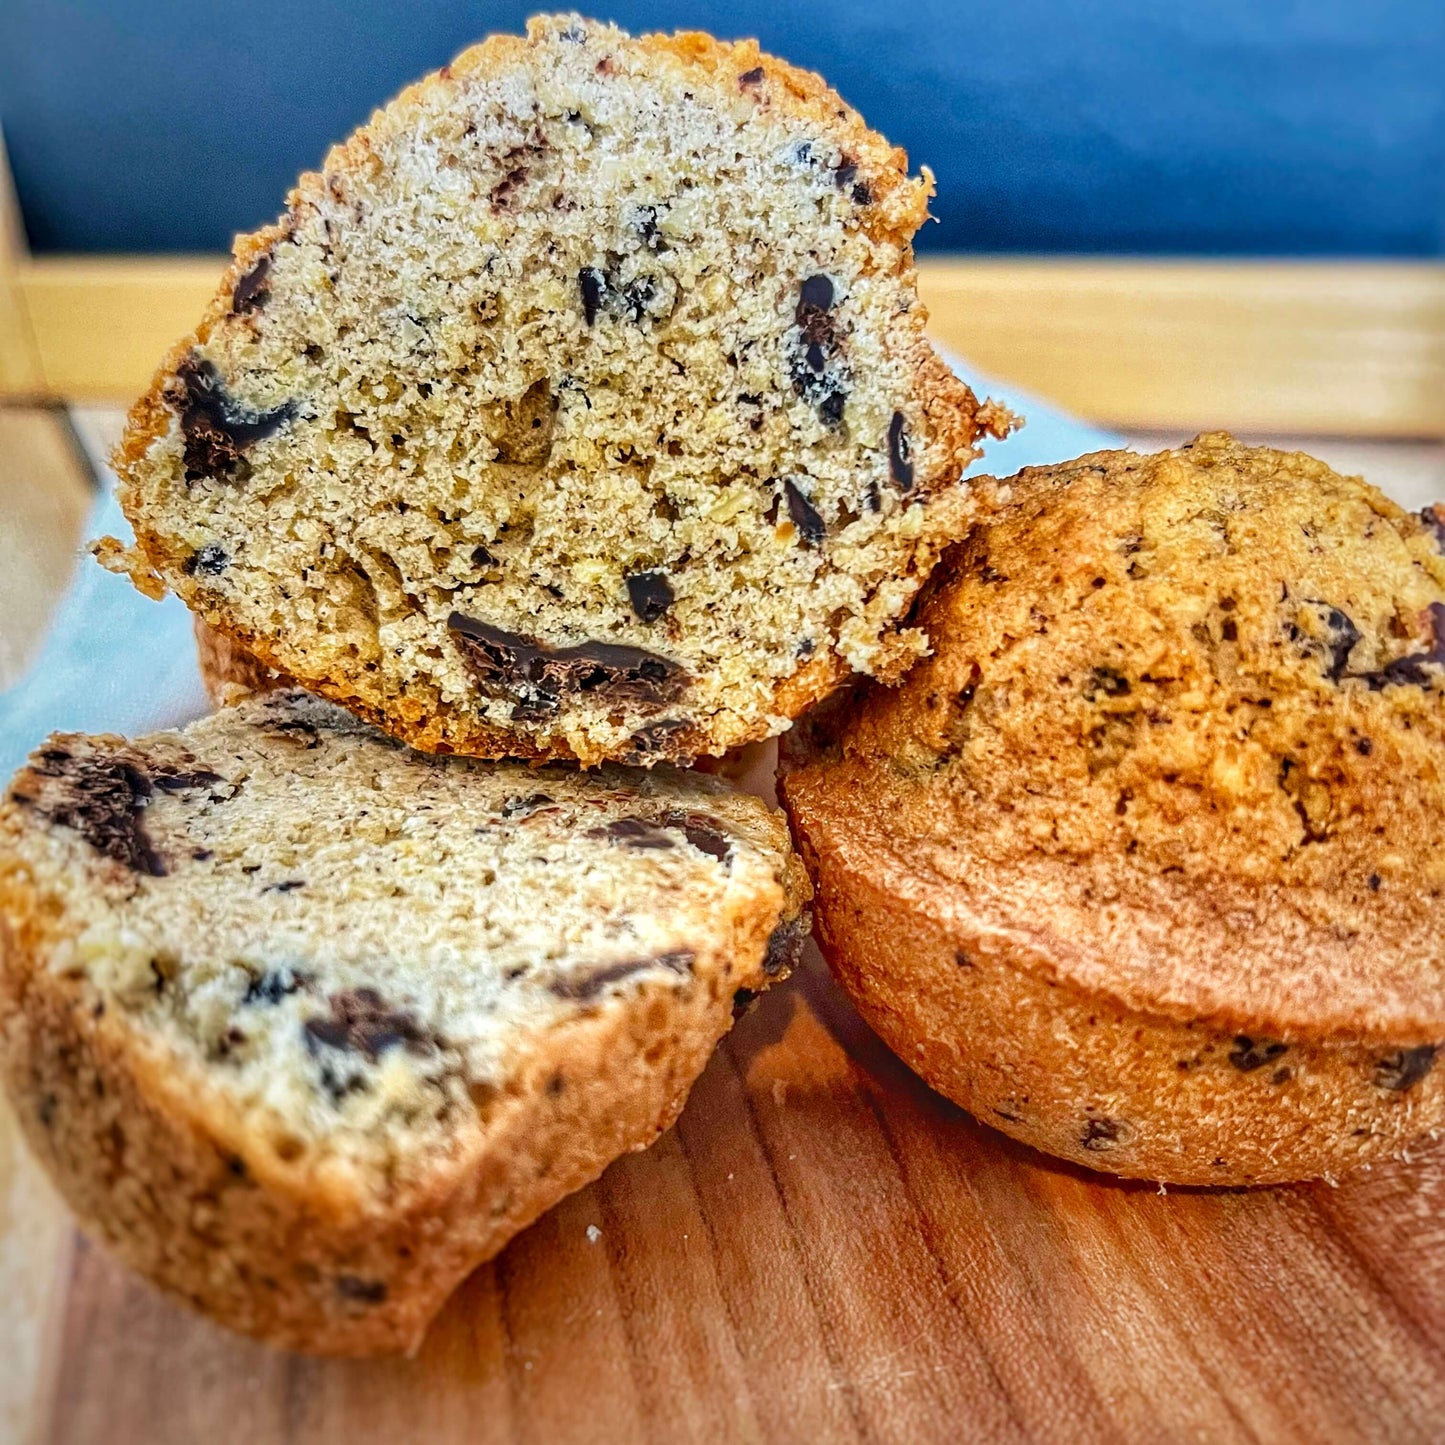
point(1224, 126)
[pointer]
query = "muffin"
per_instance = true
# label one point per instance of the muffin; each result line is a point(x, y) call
point(305, 1025)
point(580, 407)
point(1143, 865)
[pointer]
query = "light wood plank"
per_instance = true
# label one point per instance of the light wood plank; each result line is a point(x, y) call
point(1326, 348)
point(824, 1250)
point(45, 493)
point(1322, 348)
point(19, 365)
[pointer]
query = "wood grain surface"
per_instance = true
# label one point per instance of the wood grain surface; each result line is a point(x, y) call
point(824, 1250)
point(820, 1250)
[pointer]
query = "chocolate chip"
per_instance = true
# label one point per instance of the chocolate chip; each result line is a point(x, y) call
point(632, 833)
point(210, 561)
point(101, 798)
point(843, 176)
point(216, 428)
point(1341, 636)
point(1105, 681)
point(536, 675)
point(288, 885)
point(1412, 670)
point(900, 452)
point(1101, 1135)
point(862, 194)
point(361, 1291)
point(1373, 882)
point(704, 833)
point(582, 986)
point(360, 1022)
point(252, 291)
point(785, 945)
point(743, 1000)
point(805, 515)
point(273, 985)
point(174, 780)
point(1405, 1068)
point(650, 593)
point(593, 285)
point(1249, 1054)
point(815, 294)
point(750, 77)
point(831, 408)
point(1433, 517)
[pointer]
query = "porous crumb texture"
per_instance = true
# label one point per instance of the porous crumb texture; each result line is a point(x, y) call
point(1143, 864)
point(580, 406)
point(306, 1024)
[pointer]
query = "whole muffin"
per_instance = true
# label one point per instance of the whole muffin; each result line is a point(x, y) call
point(1143, 865)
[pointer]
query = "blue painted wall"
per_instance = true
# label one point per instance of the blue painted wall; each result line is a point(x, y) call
point(1228, 126)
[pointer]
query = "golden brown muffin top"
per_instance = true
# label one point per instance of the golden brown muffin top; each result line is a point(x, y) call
point(1182, 734)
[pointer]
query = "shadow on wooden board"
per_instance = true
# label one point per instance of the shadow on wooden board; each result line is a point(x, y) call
point(823, 1249)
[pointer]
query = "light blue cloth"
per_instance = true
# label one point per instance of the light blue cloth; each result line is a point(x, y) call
point(115, 661)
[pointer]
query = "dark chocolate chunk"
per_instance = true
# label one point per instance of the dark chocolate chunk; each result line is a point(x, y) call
point(843, 176)
point(900, 453)
point(704, 833)
point(1341, 635)
point(175, 780)
point(1411, 670)
point(1433, 517)
point(361, 1291)
point(210, 561)
point(633, 833)
point(862, 194)
point(101, 798)
point(1249, 1054)
point(1101, 1135)
point(216, 428)
point(785, 945)
point(287, 885)
point(806, 518)
point(593, 285)
point(750, 77)
point(743, 1000)
point(273, 985)
point(831, 408)
point(580, 987)
point(815, 294)
point(361, 1022)
point(536, 675)
point(650, 593)
point(252, 291)
point(1405, 1068)
point(1106, 682)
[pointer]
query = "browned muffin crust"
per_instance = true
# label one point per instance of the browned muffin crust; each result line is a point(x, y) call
point(1143, 864)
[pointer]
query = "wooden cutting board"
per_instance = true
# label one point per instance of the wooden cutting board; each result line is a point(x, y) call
point(822, 1250)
